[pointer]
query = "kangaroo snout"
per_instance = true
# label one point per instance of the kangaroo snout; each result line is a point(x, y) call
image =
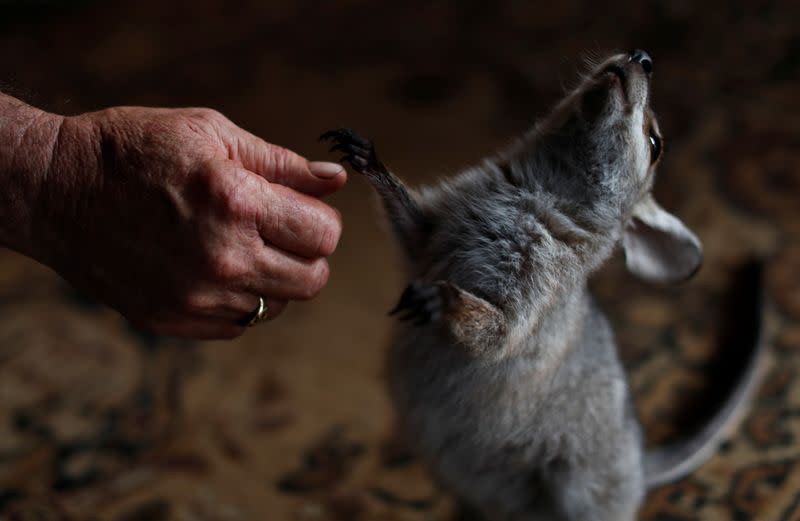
point(641, 57)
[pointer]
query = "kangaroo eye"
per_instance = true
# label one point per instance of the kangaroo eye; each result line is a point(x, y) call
point(655, 147)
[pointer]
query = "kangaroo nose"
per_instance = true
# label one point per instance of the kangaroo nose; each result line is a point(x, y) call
point(640, 56)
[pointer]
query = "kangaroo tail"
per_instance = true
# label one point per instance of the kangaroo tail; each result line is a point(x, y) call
point(743, 341)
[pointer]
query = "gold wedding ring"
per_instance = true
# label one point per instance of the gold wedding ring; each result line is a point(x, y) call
point(257, 315)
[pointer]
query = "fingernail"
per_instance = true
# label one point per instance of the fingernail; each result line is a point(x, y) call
point(325, 170)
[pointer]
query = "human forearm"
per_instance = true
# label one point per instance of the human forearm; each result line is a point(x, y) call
point(28, 138)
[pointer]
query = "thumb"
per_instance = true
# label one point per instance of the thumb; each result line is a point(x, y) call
point(282, 166)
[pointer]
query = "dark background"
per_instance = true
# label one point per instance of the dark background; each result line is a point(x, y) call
point(100, 421)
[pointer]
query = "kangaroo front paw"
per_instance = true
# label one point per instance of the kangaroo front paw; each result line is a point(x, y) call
point(475, 323)
point(425, 302)
point(359, 151)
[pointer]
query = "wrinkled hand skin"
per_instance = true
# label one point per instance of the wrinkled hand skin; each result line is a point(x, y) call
point(177, 218)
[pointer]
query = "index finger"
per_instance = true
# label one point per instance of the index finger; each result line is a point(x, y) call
point(282, 166)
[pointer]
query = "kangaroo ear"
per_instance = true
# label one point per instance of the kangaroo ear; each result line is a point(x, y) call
point(658, 246)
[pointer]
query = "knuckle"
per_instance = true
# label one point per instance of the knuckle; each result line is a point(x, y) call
point(281, 160)
point(226, 267)
point(231, 197)
point(317, 279)
point(193, 303)
point(211, 115)
point(330, 232)
point(235, 203)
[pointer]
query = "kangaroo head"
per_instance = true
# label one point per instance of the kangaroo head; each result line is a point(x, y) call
point(600, 147)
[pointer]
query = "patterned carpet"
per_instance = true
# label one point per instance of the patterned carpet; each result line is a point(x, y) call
point(291, 422)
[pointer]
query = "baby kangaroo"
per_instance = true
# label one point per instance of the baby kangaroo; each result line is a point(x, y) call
point(504, 372)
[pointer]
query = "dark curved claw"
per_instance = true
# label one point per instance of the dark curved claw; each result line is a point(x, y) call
point(358, 161)
point(407, 299)
point(339, 147)
point(421, 303)
point(359, 151)
point(345, 134)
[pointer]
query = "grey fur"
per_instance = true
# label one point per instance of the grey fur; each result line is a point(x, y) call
point(508, 381)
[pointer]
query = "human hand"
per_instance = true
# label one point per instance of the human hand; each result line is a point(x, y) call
point(180, 220)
